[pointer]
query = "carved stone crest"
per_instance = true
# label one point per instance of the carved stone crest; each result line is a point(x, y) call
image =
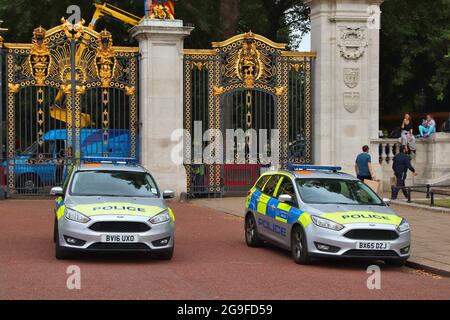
point(351, 77)
point(352, 43)
point(351, 101)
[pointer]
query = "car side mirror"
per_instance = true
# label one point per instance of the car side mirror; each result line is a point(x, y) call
point(168, 194)
point(387, 201)
point(285, 198)
point(57, 191)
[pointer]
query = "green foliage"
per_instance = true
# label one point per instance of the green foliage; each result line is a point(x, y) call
point(279, 20)
point(415, 65)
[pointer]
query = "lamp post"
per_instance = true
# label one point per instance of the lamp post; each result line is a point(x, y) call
point(422, 100)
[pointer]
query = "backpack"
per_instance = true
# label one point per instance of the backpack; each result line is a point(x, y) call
point(446, 126)
point(396, 133)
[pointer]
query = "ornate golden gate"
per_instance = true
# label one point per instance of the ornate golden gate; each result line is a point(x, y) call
point(70, 95)
point(246, 82)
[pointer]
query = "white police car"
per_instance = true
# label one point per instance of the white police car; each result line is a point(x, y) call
point(317, 211)
point(112, 207)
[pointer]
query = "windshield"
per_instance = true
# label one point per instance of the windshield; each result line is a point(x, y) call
point(336, 191)
point(113, 184)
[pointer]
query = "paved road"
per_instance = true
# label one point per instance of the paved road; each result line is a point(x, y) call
point(211, 262)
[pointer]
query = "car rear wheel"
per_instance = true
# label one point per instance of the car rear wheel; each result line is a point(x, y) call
point(299, 247)
point(251, 232)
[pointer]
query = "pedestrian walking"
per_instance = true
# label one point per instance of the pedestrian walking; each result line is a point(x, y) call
point(401, 165)
point(363, 165)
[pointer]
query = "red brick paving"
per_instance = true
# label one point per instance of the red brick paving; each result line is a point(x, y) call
point(211, 262)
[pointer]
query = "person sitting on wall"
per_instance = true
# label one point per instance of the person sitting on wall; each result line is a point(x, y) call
point(363, 165)
point(407, 135)
point(428, 127)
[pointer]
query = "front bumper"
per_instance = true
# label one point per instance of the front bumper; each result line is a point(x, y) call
point(344, 247)
point(92, 240)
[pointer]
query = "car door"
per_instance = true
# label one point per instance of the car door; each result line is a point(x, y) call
point(284, 211)
point(266, 209)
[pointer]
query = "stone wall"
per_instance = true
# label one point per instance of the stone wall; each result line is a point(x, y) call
point(431, 161)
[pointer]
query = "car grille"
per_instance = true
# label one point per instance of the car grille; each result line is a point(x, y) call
point(366, 234)
point(114, 226)
point(118, 246)
point(370, 253)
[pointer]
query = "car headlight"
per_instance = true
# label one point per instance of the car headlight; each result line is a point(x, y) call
point(160, 218)
point(76, 216)
point(403, 226)
point(327, 224)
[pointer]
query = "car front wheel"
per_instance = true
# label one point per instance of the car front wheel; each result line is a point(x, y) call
point(299, 246)
point(60, 252)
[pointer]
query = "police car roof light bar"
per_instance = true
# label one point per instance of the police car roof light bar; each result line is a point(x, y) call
point(294, 167)
point(108, 160)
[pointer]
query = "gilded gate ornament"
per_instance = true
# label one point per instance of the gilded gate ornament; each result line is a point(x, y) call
point(39, 58)
point(104, 59)
point(249, 64)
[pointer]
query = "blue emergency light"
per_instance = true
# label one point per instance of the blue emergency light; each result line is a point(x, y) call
point(296, 167)
point(108, 160)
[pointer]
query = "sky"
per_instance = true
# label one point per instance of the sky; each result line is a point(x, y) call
point(305, 45)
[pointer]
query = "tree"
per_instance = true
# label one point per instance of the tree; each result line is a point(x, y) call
point(214, 20)
point(279, 20)
point(415, 66)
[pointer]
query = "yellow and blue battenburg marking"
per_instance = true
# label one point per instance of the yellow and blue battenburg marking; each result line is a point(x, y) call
point(275, 209)
point(60, 207)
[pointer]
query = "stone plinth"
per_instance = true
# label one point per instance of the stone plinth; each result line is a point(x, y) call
point(161, 45)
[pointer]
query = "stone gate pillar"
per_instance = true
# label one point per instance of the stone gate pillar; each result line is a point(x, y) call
point(161, 44)
point(345, 34)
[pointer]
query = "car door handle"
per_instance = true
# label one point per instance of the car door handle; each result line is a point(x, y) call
point(258, 199)
point(272, 207)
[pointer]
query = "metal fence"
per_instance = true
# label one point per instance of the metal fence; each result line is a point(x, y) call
point(70, 94)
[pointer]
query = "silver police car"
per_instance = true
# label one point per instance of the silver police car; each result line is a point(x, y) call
point(112, 207)
point(317, 211)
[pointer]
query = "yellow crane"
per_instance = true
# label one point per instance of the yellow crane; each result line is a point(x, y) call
point(101, 10)
point(107, 9)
